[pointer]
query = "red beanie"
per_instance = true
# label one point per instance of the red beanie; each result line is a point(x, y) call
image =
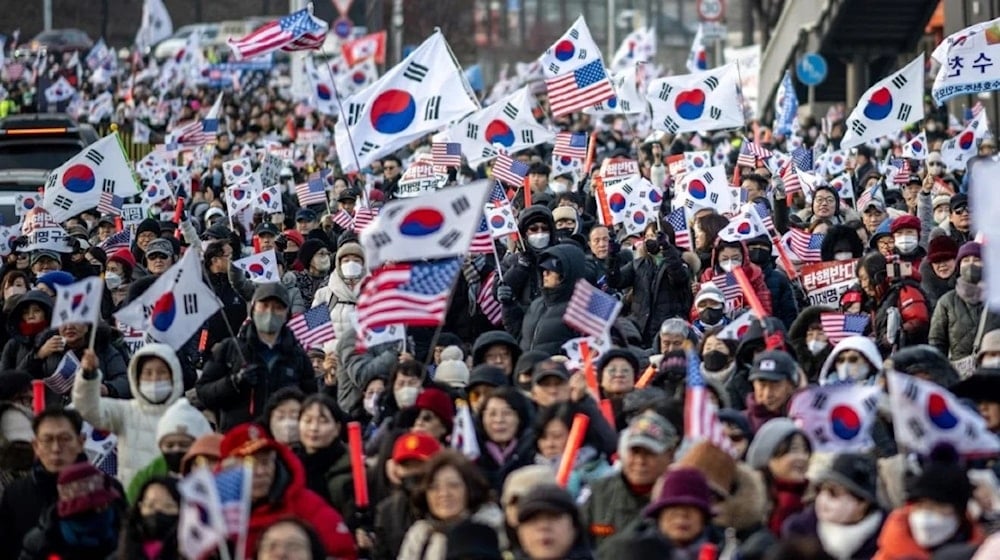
point(905, 222)
point(438, 402)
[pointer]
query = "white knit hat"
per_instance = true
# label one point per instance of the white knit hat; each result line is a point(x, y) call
point(452, 370)
point(182, 418)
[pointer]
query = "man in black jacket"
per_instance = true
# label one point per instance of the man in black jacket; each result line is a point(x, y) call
point(58, 444)
point(244, 371)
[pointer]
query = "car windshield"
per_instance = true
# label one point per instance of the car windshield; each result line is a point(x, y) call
point(37, 156)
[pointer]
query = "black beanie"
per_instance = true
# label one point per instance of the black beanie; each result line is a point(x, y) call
point(613, 354)
point(309, 250)
point(149, 224)
point(943, 479)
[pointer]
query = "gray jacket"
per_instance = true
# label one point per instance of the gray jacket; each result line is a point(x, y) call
point(356, 369)
point(955, 323)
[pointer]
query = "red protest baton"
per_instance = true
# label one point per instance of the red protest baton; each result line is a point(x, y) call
point(588, 368)
point(357, 465)
point(647, 377)
point(119, 225)
point(608, 412)
point(178, 214)
point(749, 294)
point(38, 396)
point(573, 443)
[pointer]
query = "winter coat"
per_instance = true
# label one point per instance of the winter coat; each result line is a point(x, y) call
point(645, 530)
point(496, 473)
point(861, 546)
point(543, 327)
point(46, 541)
point(935, 287)
point(745, 510)
point(22, 505)
point(20, 348)
point(753, 274)
point(288, 366)
point(112, 355)
point(356, 369)
point(896, 543)
point(306, 283)
point(661, 289)
point(427, 540)
point(522, 272)
point(906, 295)
point(810, 363)
point(611, 507)
point(757, 415)
point(860, 344)
point(233, 312)
point(948, 229)
point(289, 497)
point(133, 421)
point(394, 515)
point(955, 323)
point(328, 474)
point(783, 303)
point(342, 301)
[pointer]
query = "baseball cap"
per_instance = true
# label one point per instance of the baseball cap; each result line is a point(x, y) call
point(549, 368)
point(650, 431)
point(267, 228)
point(774, 365)
point(44, 254)
point(305, 215)
point(709, 291)
point(551, 264)
point(414, 446)
point(876, 203)
point(272, 290)
point(959, 201)
point(348, 194)
point(214, 212)
point(159, 247)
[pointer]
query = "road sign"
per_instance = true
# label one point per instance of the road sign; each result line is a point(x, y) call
point(342, 27)
point(711, 10)
point(811, 69)
point(712, 31)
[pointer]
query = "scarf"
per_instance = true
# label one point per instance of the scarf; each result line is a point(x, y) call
point(721, 376)
point(969, 292)
point(842, 541)
point(501, 454)
point(787, 501)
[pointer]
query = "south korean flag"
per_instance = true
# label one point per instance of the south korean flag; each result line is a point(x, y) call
point(887, 106)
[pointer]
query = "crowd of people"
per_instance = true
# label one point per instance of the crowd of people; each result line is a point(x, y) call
point(244, 388)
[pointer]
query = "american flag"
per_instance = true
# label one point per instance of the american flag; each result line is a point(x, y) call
point(295, 32)
point(868, 195)
point(791, 178)
point(446, 154)
point(482, 241)
point(590, 310)
point(750, 152)
point(343, 219)
point(313, 327)
point(117, 241)
point(571, 144)
point(234, 485)
point(110, 203)
point(186, 134)
point(701, 415)
point(61, 380)
point(806, 245)
point(902, 176)
point(313, 191)
point(682, 235)
point(802, 157)
point(363, 217)
point(765, 216)
point(412, 293)
point(729, 286)
point(838, 326)
point(498, 195)
point(584, 87)
point(488, 303)
point(509, 170)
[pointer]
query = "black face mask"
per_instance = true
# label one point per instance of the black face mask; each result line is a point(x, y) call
point(158, 525)
point(711, 315)
point(173, 460)
point(410, 484)
point(563, 233)
point(715, 360)
point(972, 273)
point(760, 256)
point(290, 257)
point(652, 246)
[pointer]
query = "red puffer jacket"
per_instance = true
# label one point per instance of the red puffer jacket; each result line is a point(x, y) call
point(753, 273)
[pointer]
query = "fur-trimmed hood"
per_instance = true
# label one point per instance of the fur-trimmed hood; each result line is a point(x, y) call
point(747, 506)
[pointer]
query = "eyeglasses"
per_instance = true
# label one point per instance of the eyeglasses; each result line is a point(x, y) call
point(961, 211)
point(824, 200)
point(62, 439)
point(157, 257)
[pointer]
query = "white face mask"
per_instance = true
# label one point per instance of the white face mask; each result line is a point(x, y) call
point(351, 269)
point(843, 256)
point(371, 404)
point(941, 217)
point(558, 187)
point(906, 243)
point(729, 266)
point(12, 291)
point(839, 509)
point(321, 264)
point(990, 362)
point(852, 372)
point(286, 430)
point(538, 240)
point(816, 346)
point(406, 396)
point(112, 280)
point(930, 528)
point(156, 391)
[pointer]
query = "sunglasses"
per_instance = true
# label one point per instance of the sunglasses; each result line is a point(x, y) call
point(538, 227)
point(961, 211)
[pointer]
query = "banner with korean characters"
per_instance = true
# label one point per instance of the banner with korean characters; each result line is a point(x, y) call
point(825, 282)
point(970, 62)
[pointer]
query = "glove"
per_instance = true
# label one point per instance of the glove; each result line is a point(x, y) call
point(526, 259)
point(247, 377)
point(778, 184)
point(664, 242)
point(505, 294)
point(614, 247)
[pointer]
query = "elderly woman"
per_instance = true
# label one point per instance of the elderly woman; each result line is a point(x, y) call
point(780, 451)
point(451, 491)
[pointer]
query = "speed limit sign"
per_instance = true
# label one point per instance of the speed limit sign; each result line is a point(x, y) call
point(711, 10)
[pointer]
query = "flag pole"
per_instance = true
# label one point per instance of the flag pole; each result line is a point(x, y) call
point(100, 303)
point(343, 119)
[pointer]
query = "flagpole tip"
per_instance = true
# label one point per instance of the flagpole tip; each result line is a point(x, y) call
point(114, 127)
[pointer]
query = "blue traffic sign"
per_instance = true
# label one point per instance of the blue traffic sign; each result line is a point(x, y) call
point(811, 69)
point(342, 27)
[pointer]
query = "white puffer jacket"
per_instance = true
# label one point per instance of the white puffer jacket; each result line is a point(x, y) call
point(341, 298)
point(133, 420)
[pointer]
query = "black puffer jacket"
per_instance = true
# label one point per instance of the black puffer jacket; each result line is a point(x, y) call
point(659, 291)
point(523, 275)
point(543, 327)
point(21, 347)
point(285, 365)
point(811, 363)
point(112, 355)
